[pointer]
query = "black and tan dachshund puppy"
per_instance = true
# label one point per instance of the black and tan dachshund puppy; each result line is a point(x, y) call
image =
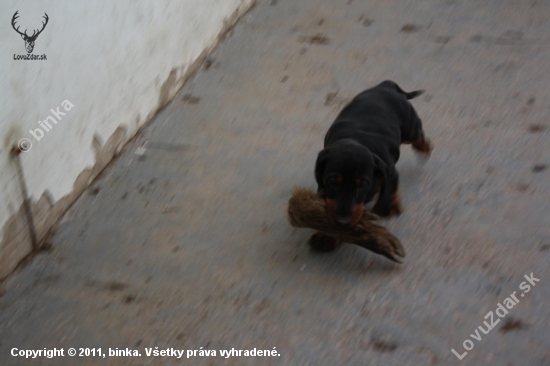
point(360, 151)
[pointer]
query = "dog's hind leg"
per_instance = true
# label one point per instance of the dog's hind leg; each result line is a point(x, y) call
point(422, 145)
point(417, 138)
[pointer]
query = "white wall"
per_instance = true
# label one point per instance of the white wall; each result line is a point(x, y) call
point(117, 62)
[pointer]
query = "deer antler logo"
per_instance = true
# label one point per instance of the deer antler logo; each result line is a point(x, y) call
point(29, 40)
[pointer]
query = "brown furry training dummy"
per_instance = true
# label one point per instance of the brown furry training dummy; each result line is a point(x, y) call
point(307, 209)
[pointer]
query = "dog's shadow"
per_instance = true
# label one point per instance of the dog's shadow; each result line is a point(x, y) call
point(352, 258)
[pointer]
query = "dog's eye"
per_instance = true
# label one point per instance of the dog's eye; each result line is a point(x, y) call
point(332, 181)
point(362, 183)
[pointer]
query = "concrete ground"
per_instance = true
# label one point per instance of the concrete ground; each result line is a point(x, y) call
point(188, 246)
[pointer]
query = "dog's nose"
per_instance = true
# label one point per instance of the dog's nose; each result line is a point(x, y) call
point(343, 221)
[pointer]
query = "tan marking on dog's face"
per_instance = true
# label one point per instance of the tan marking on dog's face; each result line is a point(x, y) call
point(357, 214)
point(331, 210)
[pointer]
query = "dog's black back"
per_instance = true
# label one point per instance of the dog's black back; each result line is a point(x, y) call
point(361, 149)
point(381, 119)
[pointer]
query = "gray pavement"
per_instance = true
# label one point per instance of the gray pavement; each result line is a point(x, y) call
point(188, 245)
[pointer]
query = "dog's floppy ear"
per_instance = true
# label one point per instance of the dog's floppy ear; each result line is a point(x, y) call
point(320, 164)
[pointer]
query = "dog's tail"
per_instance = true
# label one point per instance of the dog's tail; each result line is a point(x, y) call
point(409, 95)
point(413, 94)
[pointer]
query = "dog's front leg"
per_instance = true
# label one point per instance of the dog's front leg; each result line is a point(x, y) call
point(388, 203)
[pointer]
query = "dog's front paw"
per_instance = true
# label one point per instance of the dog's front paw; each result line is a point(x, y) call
point(393, 209)
point(382, 210)
point(395, 206)
point(323, 243)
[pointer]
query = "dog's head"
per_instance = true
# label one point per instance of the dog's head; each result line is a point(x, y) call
point(346, 173)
